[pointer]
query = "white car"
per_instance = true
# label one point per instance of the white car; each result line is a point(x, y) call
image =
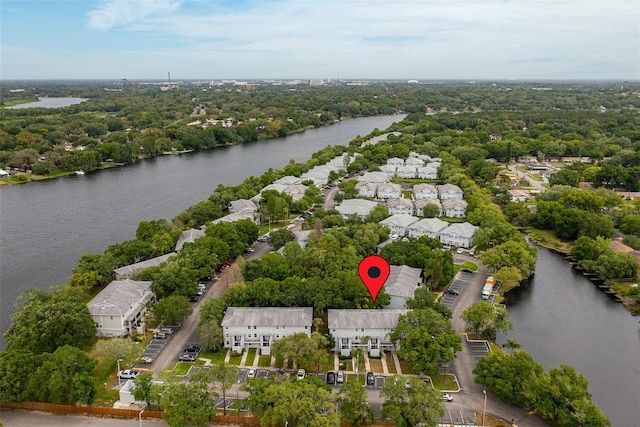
point(128, 374)
point(251, 374)
point(447, 397)
point(301, 374)
point(340, 377)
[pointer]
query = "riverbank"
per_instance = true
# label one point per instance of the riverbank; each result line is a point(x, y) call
point(618, 290)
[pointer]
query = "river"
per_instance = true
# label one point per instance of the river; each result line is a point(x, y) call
point(562, 318)
point(46, 226)
point(49, 103)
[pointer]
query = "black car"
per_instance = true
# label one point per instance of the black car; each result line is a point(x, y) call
point(331, 377)
point(192, 348)
point(452, 292)
point(371, 380)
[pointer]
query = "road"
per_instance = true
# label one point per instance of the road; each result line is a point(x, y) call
point(538, 185)
point(471, 395)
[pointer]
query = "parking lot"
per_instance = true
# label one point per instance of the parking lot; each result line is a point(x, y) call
point(456, 288)
point(458, 417)
point(478, 349)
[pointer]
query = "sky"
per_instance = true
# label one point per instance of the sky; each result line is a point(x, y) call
point(320, 39)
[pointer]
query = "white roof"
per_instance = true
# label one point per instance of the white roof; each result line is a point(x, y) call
point(399, 201)
point(189, 236)
point(287, 180)
point(370, 319)
point(454, 203)
point(399, 220)
point(389, 186)
point(463, 229)
point(133, 269)
point(424, 187)
point(378, 177)
point(121, 298)
point(242, 205)
point(403, 281)
point(233, 217)
point(446, 188)
point(431, 225)
point(268, 316)
point(421, 203)
point(359, 207)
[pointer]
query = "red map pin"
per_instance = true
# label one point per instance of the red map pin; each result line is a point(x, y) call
point(374, 271)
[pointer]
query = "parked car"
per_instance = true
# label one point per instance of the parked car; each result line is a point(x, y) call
point(146, 359)
point(264, 238)
point(371, 379)
point(159, 335)
point(168, 331)
point(192, 348)
point(301, 374)
point(128, 374)
point(202, 286)
point(331, 377)
point(189, 357)
point(466, 270)
point(447, 397)
point(249, 250)
point(251, 374)
point(452, 292)
point(281, 372)
point(460, 251)
point(194, 298)
point(340, 377)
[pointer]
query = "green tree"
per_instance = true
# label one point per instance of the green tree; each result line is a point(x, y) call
point(188, 404)
point(485, 318)
point(212, 309)
point(173, 309)
point(298, 347)
point(279, 238)
point(210, 335)
point(417, 404)
point(425, 338)
point(45, 321)
point(354, 407)
point(291, 402)
point(144, 389)
point(16, 370)
point(226, 376)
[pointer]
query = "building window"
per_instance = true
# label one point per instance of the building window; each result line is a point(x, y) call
point(255, 327)
point(277, 327)
point(248, 327)
point(265, 341)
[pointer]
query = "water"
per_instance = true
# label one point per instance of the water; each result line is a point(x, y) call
point(563, 318)
point(49, 103)
point(45, 227)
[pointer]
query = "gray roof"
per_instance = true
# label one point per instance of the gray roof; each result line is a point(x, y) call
point(429, 225)
point(233, 217)
point(399, 201)
point(121, 298)
point(403, 281)
point(268, 316)
point(133, 269)
point(463, 229)
point(454, 203)
point(378, 177)
point(354, 318)
point(189, 236)
point(356, 206)
point(242, 205)
point(399, 220)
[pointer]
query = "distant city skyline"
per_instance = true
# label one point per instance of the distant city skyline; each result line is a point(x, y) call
point(321, 39)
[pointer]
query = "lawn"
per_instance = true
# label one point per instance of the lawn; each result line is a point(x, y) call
point(445, 382)
point(376, 366)
point(251, 356)
point(264, 361)
point(391, 366)
point(216, 358)
point(279, 362)
point(470, 265)
point(182, 368)
point(235, 360)
point(326, 364)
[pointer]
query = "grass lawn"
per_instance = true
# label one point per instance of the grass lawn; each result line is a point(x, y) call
point(391, 366)
point(279, 362)
point(290, 364)
point(491, 421)
point(327, 363)
point(182, 368)
point(251, 356)
point(235, 360)
point(548, 239)
point(264, 361)
point(216, 358)
point(445, 382)
point(354, 377)
point(105, 373)
point(470, 265)
point(376, 366)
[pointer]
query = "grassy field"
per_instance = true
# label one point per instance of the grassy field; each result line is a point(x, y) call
point(445, 382)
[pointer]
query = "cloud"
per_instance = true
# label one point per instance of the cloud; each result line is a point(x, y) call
point(117, 13)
